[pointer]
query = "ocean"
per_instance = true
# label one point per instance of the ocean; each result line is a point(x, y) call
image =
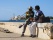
point(12, 20)
point(17, 21)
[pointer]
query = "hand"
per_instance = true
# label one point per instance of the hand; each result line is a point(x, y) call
point(41, 16)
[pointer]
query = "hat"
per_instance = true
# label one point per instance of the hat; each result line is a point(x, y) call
point(30, 7)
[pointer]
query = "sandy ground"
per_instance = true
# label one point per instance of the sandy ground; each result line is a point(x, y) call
point(13, 27)
point(14, 36)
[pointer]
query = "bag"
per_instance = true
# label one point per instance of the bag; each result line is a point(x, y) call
point(46, 19)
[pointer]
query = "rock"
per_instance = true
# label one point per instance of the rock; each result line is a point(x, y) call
point(4, 30)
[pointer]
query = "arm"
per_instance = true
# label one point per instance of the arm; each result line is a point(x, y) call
point(41, 14)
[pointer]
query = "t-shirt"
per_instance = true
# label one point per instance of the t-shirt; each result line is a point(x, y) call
point(39, 13)
point(39, 18)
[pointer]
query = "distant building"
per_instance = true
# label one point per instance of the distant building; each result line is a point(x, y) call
point(18, 17)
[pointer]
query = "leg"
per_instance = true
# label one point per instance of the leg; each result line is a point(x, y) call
point(37, 29)
point(32, 28)
point(24, 29)
point(25, 25)
point(20, 26)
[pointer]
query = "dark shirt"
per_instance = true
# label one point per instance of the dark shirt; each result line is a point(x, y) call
point(39, 14)
point(31, 14)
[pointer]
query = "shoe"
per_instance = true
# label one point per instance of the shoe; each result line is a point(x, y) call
point(30, 35)
point(20, 26)
point(22, 35)
point(33, 36)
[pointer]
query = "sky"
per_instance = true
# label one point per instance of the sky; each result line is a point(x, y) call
point(19, 7)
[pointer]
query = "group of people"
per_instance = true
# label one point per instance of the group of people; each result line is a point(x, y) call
point(32, 21)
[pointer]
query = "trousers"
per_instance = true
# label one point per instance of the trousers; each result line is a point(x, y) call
point(32, 28)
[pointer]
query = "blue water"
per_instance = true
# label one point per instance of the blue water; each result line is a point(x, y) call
point(51, 21)
point(12, 20)
point(17, 21)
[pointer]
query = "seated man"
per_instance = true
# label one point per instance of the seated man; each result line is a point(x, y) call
point(39, 15)
point(27, 22)
point(32, 28)
point(29, 13)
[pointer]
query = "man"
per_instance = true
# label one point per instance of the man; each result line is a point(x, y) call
point(39, 14)
point(29, 14)
point(32, 27)
point(38, 19)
